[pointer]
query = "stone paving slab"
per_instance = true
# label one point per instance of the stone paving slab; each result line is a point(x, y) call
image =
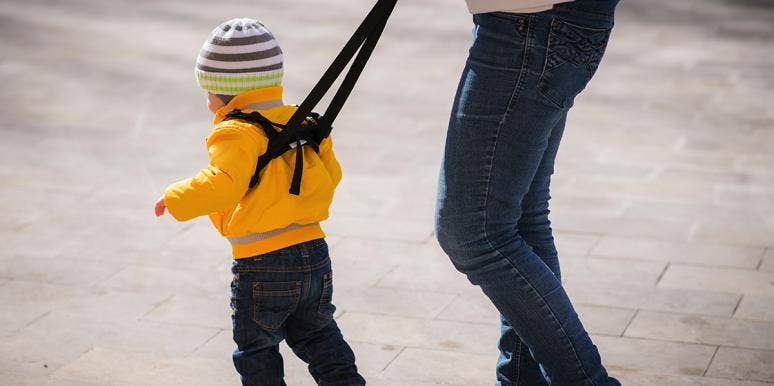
point(626, 354)
point(694, 252)
point(98, 366)
point(445, 367)
point(187, 310)
point(702, 329)
point(645, 379)
point(413, 332)
point(688, 301)
point(390, 301)
point(144, 278)
point(596, 319)
point(755, 307)
point(604, 270)
point(738, 363)
point(718, 279)
point(576, 244)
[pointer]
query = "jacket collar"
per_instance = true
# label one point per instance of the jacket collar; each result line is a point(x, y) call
point(258, 99)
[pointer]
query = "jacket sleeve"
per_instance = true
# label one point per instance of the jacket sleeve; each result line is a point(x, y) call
point(221, 185)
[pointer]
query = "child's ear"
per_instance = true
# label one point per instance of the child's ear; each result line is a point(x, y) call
point(213, 102)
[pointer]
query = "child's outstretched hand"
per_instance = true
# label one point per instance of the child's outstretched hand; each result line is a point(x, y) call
point(160, 207)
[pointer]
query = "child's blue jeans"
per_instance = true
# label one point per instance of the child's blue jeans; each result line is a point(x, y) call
point(286, 294)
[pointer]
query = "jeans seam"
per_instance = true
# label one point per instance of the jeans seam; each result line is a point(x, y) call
point(514, 97)
point(508, 109)
point(518, 361)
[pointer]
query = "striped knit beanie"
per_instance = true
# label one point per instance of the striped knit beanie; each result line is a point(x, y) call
point(240, 55)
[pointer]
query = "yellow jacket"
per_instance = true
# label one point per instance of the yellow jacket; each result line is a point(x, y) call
point(265, 218)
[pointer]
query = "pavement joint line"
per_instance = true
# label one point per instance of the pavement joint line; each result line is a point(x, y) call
point(688, 264)
point(763, 257)
point(629, 323)
point(156, 306)
point(709, 364)
point(579, 233)
point(436, 349)
point(683, 263)
point(107, 277)
point(380, 278)
point(670, 341)
point(748, 348)
point(418, 318)
point(684, 342)
point(218, 332)
point(451, 301)
point(741, 379)
point(594, 245)
point(663, 272)
point(371, 239)
point(727, 318)
point(31, 322)
point(403, 348)
point(736, 307)
point(383, 239)
point(165, 324)
point(614, 258)
point(432, 291)
point(605, 306)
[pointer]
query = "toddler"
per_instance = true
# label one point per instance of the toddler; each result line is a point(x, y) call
point(283, 283)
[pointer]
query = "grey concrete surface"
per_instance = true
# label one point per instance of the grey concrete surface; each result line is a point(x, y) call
point(663, 198)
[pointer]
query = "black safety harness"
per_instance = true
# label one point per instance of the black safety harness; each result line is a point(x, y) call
point(305, 127)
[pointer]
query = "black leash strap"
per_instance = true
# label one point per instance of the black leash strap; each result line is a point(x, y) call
point(362, 43)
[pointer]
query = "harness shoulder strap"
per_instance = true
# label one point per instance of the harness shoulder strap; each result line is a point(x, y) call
point(296, 132)
point(256, 119)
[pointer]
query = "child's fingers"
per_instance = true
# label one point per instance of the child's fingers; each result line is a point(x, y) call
point(160, 207)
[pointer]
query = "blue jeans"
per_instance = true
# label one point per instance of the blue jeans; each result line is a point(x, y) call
point(286, 295)
point(521, 78)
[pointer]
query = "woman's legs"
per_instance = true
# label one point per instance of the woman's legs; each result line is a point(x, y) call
point(493, 194)
point(516, 364)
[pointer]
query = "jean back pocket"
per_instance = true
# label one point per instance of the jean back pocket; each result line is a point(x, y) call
point(572, 57)
point(274, 302)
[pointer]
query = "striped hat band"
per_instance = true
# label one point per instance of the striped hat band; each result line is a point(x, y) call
point(239, 55)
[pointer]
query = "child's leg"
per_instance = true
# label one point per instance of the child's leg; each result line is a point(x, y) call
point(261, 301)
point(313, 334)
point(331, 360)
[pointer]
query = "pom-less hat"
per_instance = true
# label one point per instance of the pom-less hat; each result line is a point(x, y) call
point(240, 55)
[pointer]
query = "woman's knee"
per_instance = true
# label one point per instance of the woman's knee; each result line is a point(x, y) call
point(470, 239)
point(461, 237)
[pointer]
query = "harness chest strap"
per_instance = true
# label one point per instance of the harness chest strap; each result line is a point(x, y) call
point(308, 134)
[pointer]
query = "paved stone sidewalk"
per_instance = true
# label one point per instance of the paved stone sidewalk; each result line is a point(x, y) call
point(663, 198)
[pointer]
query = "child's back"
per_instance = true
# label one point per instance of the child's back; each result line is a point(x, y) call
point(282, 285)
point(264, 218)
